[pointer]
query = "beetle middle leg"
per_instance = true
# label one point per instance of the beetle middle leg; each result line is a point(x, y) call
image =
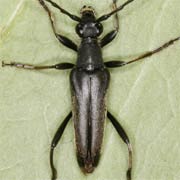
point(114, 64)
point(112, 34)
point(125, 138)
point(55, 141)
point(62, 39)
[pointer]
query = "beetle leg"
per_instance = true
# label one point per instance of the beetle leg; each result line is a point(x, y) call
point(62, 39)
point(72, 16)
point(60, 66)
point(125, 138)
point(55, 141)
point(116, 15)
point(106, 16)
point(114, 64)
point(112, 34)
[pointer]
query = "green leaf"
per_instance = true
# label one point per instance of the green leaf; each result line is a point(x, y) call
point(144, 96)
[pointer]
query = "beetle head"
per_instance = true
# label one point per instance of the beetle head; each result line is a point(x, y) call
point(88, 27)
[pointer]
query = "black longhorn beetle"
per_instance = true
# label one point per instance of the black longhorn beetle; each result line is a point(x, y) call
point(89, 80)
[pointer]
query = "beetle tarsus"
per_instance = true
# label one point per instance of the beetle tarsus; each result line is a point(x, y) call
point(7, 64)
point(128, 174)
point(54, 174)
point(3, 64)
point(53, 169)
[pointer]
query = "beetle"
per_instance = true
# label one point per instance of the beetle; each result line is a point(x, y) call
point(89, 80)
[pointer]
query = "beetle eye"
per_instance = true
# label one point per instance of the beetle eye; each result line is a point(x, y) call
point(79, 29)
point(99, 28)
point(98, 25)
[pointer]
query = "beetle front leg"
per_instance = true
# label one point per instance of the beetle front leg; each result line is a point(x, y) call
point(72, 16)
point(55, 141)
point(125, 138)
point(106, 16)
point(112, 34)
point(62, 39)
point(60, 66)
point(114, 64)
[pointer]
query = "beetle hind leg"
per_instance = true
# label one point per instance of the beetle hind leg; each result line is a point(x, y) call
point(125, 138)
point(55, 141)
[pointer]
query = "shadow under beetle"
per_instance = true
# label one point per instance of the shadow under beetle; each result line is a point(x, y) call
point(89, 80)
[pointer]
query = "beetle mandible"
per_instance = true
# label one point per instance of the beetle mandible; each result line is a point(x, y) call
point(89, 80)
